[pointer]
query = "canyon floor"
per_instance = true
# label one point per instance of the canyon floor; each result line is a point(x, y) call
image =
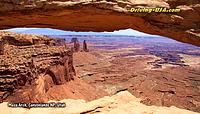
point(161, 73)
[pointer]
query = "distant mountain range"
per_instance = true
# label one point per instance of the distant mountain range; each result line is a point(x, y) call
point(48, 31)
point(62, 34)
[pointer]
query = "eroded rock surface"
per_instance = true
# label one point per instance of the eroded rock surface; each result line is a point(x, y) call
point(105, 15)
point(36, 66)
point(121, 103)
point(150, 69)
point(76, 44)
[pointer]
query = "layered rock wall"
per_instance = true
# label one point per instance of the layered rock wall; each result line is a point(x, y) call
point(23, 67)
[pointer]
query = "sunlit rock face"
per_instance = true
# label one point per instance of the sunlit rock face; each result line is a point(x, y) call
point(105, 15)
point(120, 103)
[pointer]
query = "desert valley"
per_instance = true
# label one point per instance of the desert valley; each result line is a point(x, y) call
point(158, 70)
point(146, 73)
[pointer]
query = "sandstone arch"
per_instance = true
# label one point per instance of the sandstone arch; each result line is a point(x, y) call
point(104, 15)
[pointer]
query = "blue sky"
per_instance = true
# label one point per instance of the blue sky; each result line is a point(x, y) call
point(49, 31)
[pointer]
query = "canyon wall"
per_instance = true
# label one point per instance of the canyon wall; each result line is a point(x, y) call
point(28, 70)
point(105, 15)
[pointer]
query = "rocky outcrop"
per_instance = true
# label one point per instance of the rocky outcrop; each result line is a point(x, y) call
point(76, 44)
point(85, 48)
point(74, 40)
point(105, 15)
point(120, 103)
point(11, 38)
point(34, 67)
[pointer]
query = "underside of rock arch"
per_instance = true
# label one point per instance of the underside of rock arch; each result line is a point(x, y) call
point(105, 15)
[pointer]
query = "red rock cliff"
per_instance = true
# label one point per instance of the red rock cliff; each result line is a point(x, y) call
point(34, 67)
